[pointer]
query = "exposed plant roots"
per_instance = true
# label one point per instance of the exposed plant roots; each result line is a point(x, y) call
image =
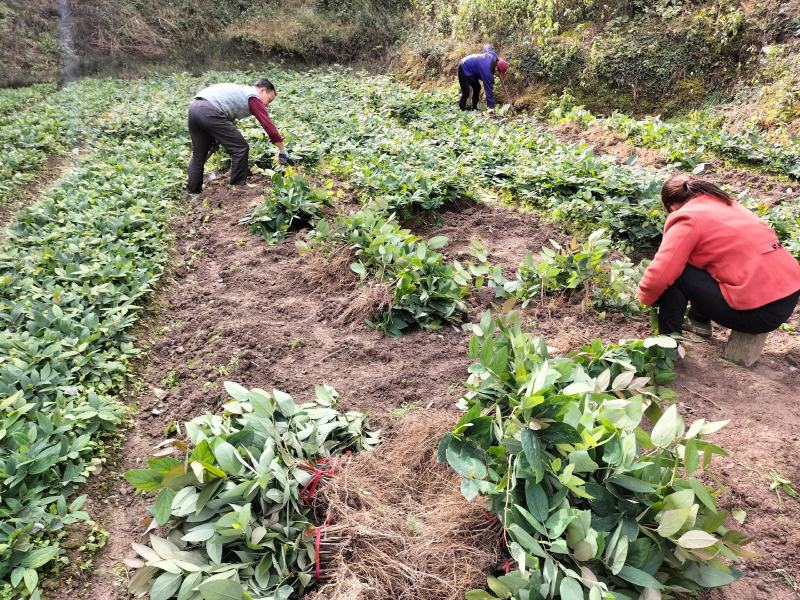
point(411, 533)
point(330, 271)
point(368, 302)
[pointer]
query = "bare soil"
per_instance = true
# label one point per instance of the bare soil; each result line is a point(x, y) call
point(238, 309)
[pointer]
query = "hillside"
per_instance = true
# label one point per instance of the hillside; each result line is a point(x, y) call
point(633, 55)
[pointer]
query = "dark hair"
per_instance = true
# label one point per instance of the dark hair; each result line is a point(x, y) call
point(265, 84)
point(682, 188)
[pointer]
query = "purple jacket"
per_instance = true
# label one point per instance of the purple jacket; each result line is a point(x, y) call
point(479, 66)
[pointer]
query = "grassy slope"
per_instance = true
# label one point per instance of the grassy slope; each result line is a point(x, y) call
point(658, 57)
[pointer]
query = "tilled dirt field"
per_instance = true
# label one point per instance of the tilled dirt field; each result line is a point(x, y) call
point(237, 309)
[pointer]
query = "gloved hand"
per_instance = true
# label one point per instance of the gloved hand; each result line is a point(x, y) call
point(213, 148)
point(285, 158)
point(489, 112)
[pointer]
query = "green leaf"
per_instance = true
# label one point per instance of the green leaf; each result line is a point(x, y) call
point(536, 499)
point(631, 483)
point(533, 453)
point(165, 586)
point(236, 391)
point(31, 579)
point(144, 479)
point(39, 557)
point(560, 433)
point(571, 589)
point(466, 459)
point(714, 574)
point(691, 458)
point(665, 431)
point(225, 454)
point(498, 587)
point(163, 507)
point(638, 577)
point(437, 242)
point(221, 589)
point(672, 521)
point(583, 462)
point(285, 403)
point(479, 595)
point(696, 539)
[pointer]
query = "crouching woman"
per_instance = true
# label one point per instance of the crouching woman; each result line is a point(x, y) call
point(721, 260)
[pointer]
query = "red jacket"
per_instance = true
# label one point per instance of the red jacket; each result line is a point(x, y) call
point(737, 248)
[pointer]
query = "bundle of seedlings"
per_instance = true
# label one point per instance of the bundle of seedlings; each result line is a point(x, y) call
point(411, 535)
point(592, 504)
point(237, 508)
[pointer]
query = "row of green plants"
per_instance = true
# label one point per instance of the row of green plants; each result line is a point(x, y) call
point(592, 502)
point(410, 150)
point(422, 287)
point(235, 494)
point(689, 141)
point(577, 268)
point(405, 150)
point(74, 270)
point(12, 100)
point(52, 127)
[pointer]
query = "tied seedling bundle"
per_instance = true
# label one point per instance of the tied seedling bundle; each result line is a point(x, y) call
point(237, 504)
point(291, 203)
point(592, 506)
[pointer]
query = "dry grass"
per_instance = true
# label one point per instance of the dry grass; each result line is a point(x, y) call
point(411, 534)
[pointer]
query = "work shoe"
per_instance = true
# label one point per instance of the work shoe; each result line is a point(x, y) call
point(697, 327)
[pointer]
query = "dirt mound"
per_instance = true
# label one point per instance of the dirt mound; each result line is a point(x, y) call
point(411, 534)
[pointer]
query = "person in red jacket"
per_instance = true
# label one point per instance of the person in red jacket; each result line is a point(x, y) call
point(722, 260)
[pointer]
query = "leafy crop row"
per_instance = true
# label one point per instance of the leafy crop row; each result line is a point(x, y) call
point(49, 128)
point(590, 502)
point(239, 503)
point(73, 272)
point(423, 288)
point(13, 100)
point(405, 150)
point(290, 203)
point(587, 267)
point(686, 141)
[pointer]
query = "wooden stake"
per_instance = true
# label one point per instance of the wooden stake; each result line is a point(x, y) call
point(744, 348)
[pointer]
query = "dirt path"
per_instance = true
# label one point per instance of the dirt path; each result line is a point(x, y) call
point(237, 309)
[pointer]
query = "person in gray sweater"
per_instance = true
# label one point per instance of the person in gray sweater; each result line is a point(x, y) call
point(212, 121)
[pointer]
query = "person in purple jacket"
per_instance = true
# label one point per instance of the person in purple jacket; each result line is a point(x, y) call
point(477, 68)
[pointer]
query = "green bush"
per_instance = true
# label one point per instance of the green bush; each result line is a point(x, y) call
point(290, 203)
point(423, 288)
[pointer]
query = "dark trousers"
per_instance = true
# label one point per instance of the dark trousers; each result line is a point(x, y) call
point(467, 84)
point(208, 126)
point(697, 287)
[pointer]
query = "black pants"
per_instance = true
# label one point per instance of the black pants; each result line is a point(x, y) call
point(206, 127)
point(467, 84)
point(708, 304)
